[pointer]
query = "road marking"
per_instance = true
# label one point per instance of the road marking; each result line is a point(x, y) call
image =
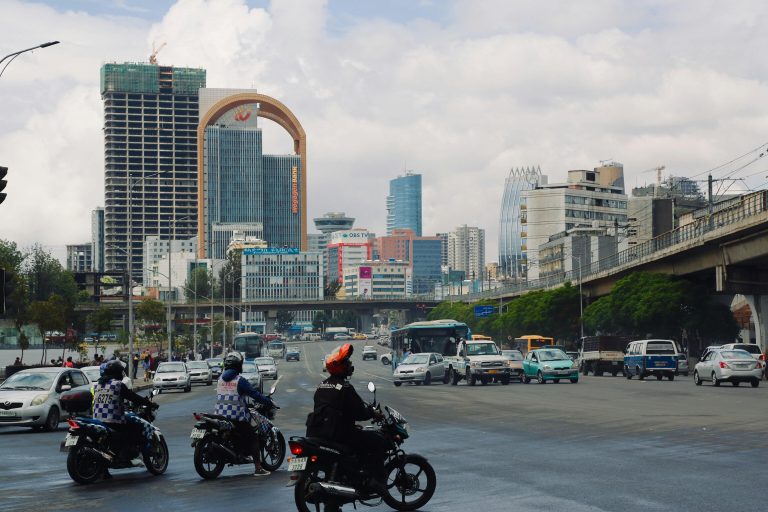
point(375, 377)
point(290, 390)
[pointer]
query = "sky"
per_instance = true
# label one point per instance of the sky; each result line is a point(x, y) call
point(460, 91)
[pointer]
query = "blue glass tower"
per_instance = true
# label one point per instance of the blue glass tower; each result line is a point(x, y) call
point(404, 203)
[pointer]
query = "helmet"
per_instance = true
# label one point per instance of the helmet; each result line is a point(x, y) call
point(234, 361)
point(338, 363)
point(112, 369)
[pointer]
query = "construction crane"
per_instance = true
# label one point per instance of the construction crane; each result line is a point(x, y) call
point(155, 51)
point(658, 178)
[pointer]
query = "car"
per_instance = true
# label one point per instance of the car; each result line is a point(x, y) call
point(359, 336)
point(682, 364)
point(421, 368)
point(724, 365)
point(369, 353)
point(515, 362)
point(573, 355)
point(341, 336)
point(172, 375)
point(200, 372)
point(267, 367)
point(93, 373)
point(748, 347)
point(549, 364)
point(293, 354)
point(30, 398)
point(386, 359)
point(251, 374)
point(383, 341)
point(215, 364)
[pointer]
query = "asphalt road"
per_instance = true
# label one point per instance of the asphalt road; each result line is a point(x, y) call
point(604, 444)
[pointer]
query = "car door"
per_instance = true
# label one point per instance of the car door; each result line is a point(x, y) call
point(434, 368)
point(527, 363)
point(707, 366)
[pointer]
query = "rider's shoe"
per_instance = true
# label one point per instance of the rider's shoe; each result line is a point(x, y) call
point(261, 472)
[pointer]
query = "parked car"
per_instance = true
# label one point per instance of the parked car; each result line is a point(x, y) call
point(549, 364)
point(200, 372)
point(172, 375)
point(734, 366)
point(251, 374)
point(267, 367)
point(515, 362)
point(386, 359)
point(292, 354)
point(682, 364)
point(215, 364)
point(421, 368)
point(369, 353)
point(30, 398)
point(93, 373)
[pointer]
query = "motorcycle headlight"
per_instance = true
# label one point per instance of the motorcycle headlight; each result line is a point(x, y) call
point(39, 399)
point(547, 367)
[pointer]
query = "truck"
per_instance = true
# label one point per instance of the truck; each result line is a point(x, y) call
point(477, 361)
point(602, 354)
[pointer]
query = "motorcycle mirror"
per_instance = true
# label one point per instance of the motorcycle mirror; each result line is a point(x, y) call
point(371, 387)
point(155, 392)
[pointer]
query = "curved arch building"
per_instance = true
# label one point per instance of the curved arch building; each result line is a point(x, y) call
point(512, 238)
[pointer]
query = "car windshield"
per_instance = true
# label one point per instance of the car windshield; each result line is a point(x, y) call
point(482, 349)
point(249, 368)
point(171, 367)
point(264, 360)
point(29, 380)
point(512, 355)
point(553, 355)
point(212, 362)
point(752, 349)
point(416, 359)
point(92, 373)
point(198, 364)
point(735, 354)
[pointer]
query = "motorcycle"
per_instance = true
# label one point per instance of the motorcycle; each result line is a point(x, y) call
point(216, 444)
point(326, 473)
point(93, 447)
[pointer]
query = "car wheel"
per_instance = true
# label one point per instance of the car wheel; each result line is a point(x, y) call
point(427, 379)
point(505, 380)
point(384, 361)
point(640, 374)
point(659, 376)
point(484, 380)
point(455, 377)
point(209, 383)
point(614, 373)
point(755, 383)
point(556, 381)
point(715, 380)
point(446, 377)
point(627, 373)
point(540, 378)
point(671, 376)
point(188, 388)
point(525, 379)
point(52, 420)
point(397, 384)
point(696, 378)
point(574, 380)
point(470, 378)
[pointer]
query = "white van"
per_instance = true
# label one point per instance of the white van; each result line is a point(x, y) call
point(651, 357)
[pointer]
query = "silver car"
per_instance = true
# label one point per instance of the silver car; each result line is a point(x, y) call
point(251, 374)
point(267, 367)
point(93, 373)
point(734, 366)
point(421, 368)
point(172, 375)
point(200, 372)
point(30, 398)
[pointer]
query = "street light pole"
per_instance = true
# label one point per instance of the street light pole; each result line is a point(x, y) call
point(16, 54)
point(172, 237)
point(581, 305)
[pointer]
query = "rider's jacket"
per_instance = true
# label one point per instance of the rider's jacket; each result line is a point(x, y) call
point(107, 402)
point(337, 408)
point(231, 390)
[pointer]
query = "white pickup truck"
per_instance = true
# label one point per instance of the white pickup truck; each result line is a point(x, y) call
point(477, 360)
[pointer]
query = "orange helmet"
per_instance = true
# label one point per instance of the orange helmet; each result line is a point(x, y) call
point(338, 363)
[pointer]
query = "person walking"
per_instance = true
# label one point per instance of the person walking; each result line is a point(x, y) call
point(135, 364)
point(68, 363)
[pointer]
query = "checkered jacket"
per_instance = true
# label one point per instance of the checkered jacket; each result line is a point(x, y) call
point(107, 404)
point(229, 403)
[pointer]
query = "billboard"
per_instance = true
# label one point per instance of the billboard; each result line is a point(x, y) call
point(271, 250)
point(365, 282)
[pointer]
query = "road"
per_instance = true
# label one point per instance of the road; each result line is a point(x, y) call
point(604, 444)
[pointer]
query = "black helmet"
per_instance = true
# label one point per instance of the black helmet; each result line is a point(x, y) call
point(234, 361)
point(112, 369)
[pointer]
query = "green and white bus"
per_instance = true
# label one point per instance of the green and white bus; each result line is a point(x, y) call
point(440, 336)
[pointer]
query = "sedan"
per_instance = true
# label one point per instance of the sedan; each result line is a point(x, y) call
point(421, 369)
point(292, 354)
point(549, 364)
point(734, 366)
point(251, 374)
point(370, 353)
point(93, 373)
point(214, 363)
point(200, 372)
point(172, 375)
point(515, 362)
point(267, 367)
point(30, 398)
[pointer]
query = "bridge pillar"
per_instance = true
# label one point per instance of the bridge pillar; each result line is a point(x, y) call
point(270, 319)
point(366, 320)
point(759, 306)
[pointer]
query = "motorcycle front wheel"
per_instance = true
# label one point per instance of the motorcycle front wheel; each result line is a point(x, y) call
point(411, 482)
point(83, 465)
point(156, 458)
point(272, 451)
point(207, 462)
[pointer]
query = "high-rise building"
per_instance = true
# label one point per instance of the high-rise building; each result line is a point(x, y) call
point(404, 203)
point(157, 249)
point(150, 168)
point(327, 224)
point(240, 186)
point(97, 239)
point(346, 248)
point(80, 258)
point(422, 253)
point(512, 254)
point(443, 248)
point(466, 251)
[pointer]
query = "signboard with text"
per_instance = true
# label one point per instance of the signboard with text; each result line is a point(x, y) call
point(484, 311)
point(271, 250)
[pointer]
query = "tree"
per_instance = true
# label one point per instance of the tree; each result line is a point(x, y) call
point(332, 287)
point(229, 275)
point(47, 277)
point(151, 311)
point(49, 315)
point(203, 285)
point(284, 321)
point(101, 321)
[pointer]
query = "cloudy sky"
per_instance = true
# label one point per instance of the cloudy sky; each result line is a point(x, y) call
point(459, 91)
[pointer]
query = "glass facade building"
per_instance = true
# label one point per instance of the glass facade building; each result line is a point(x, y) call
point(512, 250)
point(404, 203)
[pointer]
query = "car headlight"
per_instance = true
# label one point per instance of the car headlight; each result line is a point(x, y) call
point(547, 367)
point(474, 364)
point(421, 369)
point(39, 399)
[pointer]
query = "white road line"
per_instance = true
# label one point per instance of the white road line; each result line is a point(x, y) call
point(375, 377)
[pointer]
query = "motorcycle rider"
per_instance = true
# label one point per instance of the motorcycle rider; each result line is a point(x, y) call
point(338, 407)
point(231, 391)
point(109, 392)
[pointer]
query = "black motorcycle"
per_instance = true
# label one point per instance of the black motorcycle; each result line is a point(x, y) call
point(94, 447)
point(216, 442)
point(327, 473)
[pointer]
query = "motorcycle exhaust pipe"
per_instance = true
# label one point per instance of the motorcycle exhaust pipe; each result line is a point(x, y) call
point(341, 491)
point(224, 452)
point(98, 453)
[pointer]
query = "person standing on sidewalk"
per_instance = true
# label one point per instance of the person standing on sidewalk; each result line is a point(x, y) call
point(135, 365)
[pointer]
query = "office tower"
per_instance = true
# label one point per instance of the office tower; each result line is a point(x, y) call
point(404, 203)
point(512, 253)
point(79, 257)
point(466, 251)
point(150, 169)
point(243, 189)
point(422, 253)
point(443, 248)
point(346, 248)
point(327, 224)
point(97, 239)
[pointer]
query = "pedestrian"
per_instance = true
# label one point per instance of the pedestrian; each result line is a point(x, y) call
point(17, 362)
point(146, 364)
point(68, 363)
point(135, 364)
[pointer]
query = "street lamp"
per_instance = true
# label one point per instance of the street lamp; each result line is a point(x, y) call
point(581, 306)
point(170, 289)
point(16, 54)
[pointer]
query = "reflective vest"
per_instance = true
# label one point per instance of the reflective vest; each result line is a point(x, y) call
point(229, 403)
point(107, 404)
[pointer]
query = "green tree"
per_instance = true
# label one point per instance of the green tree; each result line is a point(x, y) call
point(198, 280)
point(284, 321)
point(229, 275)
point(101, 322)
point(49, 315)
point(332, 287)
point(151, 311)
point(46, 277)
point(321, 320)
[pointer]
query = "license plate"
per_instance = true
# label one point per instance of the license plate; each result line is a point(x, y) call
point(197, 433)
point(297, 464)
point(661, 363)
point(7, 413)
point(493, 371)
point(70, 440)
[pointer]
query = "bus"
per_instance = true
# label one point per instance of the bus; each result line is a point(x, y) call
point(438, 336)
point(250, 344)
point(531, 342)
point(330, 332)
point(481, 337)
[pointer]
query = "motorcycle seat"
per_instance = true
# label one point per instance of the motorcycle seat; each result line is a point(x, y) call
point(319, 441)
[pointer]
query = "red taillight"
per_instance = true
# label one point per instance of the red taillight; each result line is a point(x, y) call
point(723, 364)
point(762, 357)
point(197, 416)
point(296, 448)
point(73, 424)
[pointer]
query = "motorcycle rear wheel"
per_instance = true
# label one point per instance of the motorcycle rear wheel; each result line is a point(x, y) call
point(84, 467)
point(207, 463)
point(272, 451)
point(302, 499)
point(406, 478)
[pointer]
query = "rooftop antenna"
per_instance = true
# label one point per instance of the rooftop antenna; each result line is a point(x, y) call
point(155, 51)
point(602, 162)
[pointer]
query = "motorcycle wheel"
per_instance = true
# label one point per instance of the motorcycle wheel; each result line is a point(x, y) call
point(302, 498)
point(156, 460)
point(411, 482)
point(273, 451)
point(84, 467)
point(207, 463)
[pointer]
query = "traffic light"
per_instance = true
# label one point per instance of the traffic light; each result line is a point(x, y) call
point(3, 183)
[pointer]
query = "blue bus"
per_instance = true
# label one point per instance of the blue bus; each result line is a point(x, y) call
point(250, 344)
point(438, 336)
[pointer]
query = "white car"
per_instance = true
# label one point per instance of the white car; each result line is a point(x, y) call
point(200, 372)
point(94, 373)
point(386, 359)
point(251, 374)
point(172, 375)
point(370, 353)
point(421, 368)
point(30, 398)
point(341, 336)
point(267, 367)
point(727, 365)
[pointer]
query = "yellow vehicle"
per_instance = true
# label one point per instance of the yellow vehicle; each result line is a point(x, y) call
point(359, 336)
point(481, 337)
point(531, 342)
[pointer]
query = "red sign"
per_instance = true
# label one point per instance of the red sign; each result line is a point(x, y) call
point(294, 189)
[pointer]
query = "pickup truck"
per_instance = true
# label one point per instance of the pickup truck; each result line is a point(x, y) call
point(477, 360)
point(602, 354)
